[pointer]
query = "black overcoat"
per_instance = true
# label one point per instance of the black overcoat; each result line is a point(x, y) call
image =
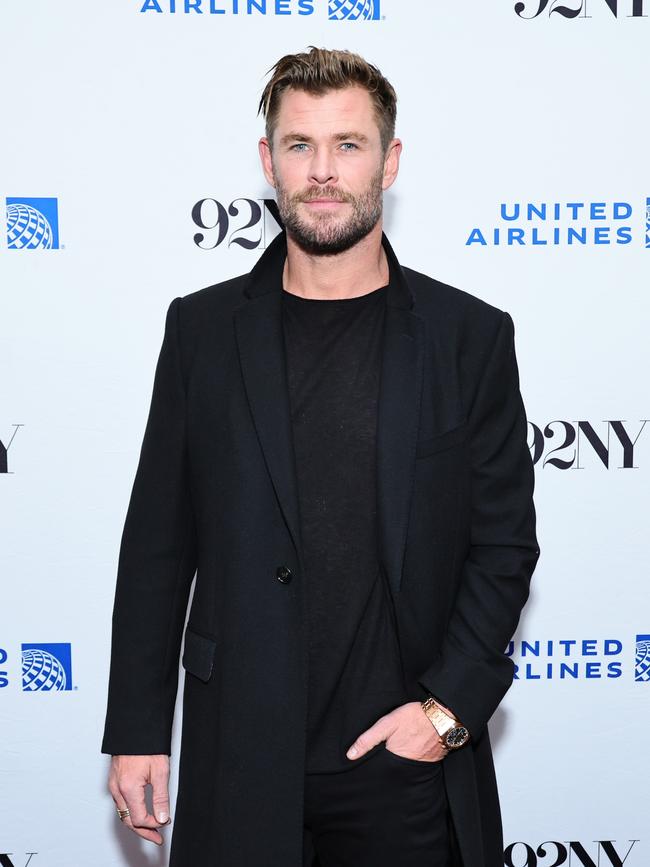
point(215, 495)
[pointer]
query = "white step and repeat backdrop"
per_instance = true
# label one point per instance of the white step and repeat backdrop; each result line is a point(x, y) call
point(130, 129)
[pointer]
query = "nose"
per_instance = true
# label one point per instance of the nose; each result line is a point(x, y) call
point(322, 169)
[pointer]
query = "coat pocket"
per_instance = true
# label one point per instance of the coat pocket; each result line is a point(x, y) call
point(442, 441)
point(198, 654)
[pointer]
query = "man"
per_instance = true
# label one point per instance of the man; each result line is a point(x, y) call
point(336, 445)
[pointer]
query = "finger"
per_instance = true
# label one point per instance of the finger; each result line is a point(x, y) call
point(146, 834)
point(382, 729)
point(139, 820)
point(160, 798)
point(132, 789)
point(363, 743)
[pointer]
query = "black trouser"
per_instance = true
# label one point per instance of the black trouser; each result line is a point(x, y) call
point(389, 811)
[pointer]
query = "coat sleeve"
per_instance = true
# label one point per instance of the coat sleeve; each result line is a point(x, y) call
point(472, 673)
point(156, 565)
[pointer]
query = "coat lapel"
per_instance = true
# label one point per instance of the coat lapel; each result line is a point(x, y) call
point(258, 330)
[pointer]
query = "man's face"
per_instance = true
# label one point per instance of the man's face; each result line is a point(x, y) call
point(328, 168)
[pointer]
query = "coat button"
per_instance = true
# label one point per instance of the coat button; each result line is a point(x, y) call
point(284, 574)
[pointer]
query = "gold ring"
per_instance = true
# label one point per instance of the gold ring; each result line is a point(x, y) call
point(123, 813)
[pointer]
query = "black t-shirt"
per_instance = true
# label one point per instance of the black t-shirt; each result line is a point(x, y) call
point(333, 355)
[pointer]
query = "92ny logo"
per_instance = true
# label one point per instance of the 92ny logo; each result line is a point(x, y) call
point(570, 440)
point(4, 458)
point(600, 853)
point(247, 223)
point(579, 8)
point(6, 859)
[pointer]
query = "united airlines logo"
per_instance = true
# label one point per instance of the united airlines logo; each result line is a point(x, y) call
point(353, 10)
point(580, 658)
point(32, 224)
point(564, 224)
point(230, 7)
point(642, 665)
point(337, 10)
point(46, 667)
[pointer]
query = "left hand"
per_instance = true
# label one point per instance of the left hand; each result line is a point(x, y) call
point(407, 731)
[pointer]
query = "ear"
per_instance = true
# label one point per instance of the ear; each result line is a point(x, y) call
point(265, 157)
point(391, 162)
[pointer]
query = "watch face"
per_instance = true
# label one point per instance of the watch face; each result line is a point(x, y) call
point(456, 737)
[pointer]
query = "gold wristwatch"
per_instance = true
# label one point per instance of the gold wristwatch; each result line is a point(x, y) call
point(452, 732)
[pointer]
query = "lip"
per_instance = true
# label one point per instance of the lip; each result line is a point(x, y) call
point(324, 203)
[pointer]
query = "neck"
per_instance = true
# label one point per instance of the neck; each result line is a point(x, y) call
point(357, 271)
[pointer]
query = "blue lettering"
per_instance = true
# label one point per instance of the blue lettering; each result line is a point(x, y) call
point(516, 235)
point(259, 5)
point(215, 11)
point(579, 235)
point(619, 214)
point(613, 646)
point(193, 5)
point(537, 212)
point(537, 241)
point(529, 673)
point(624, 234)
point(305, 7)
point(574, 207)
point(527, 648)
point(282, 7)
point(504, 213)
point(3, 656)
point(151, 6)
point(476, 237)
point(601, 235)
point(565, 669)
point(597, 210)
point(592, 670)
point(614, 669)
point(589, 648)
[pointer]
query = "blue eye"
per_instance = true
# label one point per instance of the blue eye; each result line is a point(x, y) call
point(348, 144)
point(300, 144)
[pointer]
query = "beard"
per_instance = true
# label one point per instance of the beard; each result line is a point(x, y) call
point(328, 233)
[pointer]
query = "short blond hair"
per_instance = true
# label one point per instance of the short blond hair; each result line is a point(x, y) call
point(320, 70)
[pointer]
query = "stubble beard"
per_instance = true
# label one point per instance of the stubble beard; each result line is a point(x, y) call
point(327, 233)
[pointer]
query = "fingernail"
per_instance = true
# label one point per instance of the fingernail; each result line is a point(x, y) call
point(351, 753)
point(162, 818)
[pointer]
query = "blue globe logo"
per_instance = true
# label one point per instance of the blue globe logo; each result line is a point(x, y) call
point(642, 666)
point(352, 10)
point(42, 671)
point(27, 228)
